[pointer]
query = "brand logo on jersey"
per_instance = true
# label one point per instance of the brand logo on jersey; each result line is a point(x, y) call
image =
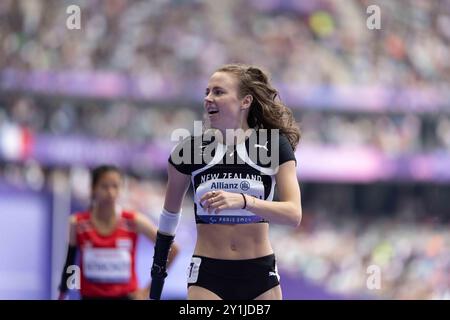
point(262, 146)
point(202, 149)
point(245, 185)
point(223, 185)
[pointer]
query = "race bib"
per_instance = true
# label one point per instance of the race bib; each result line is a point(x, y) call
point(107, 265)
point(193, 269)
point(234, 216)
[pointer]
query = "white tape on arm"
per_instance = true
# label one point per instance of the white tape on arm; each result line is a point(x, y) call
point(168, 222)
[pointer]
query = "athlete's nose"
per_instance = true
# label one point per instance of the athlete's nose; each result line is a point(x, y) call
point(208, 97)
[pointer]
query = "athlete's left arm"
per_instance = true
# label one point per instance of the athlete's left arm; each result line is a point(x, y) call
point(148, 229)
point(288, 210)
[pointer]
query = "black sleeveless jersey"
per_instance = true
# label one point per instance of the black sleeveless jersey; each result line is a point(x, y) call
point(249, 167)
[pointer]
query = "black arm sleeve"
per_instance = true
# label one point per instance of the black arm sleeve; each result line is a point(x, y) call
point(158, 272)
point(70, 260)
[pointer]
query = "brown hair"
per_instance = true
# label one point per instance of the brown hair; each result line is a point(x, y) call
point(98, 172)
point(267, 111)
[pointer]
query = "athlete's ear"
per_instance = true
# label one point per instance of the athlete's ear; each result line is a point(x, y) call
point(246, 102)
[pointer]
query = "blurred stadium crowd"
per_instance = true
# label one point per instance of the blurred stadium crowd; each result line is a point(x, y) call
point(346, 229)
point(302, 42)
point(394, 133)
point(336, 252)
point(308, 43)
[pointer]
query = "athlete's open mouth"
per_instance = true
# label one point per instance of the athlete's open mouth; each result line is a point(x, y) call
point(213, 111)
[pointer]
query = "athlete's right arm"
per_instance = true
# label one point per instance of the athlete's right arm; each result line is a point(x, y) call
point(70, 258)
point(177, 186)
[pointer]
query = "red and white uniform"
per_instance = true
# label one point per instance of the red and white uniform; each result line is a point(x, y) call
point(107, 261)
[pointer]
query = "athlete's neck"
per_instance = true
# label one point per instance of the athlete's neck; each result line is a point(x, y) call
point(104, 213)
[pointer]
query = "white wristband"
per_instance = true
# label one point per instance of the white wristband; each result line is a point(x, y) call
point(168, 222)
